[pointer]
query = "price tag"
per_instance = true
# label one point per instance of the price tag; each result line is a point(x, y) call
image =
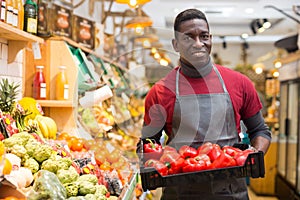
point(36, 50)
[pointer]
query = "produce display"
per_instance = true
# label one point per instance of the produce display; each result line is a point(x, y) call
point(43, 163)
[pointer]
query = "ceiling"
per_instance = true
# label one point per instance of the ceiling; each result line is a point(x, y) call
point(227, 17)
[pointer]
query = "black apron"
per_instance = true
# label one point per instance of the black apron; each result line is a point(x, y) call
point(199, 118)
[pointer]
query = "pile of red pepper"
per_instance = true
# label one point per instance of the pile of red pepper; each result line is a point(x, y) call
point(168, 160)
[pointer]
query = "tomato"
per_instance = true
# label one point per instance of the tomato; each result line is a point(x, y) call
point(63, 136)
point(76, 145)
point(187, 152)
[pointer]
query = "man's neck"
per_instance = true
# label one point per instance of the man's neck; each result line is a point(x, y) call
point(193, 72)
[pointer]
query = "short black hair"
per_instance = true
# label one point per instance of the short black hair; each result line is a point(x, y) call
point(188, 14)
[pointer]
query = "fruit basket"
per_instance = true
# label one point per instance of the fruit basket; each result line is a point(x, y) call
point(253, 167)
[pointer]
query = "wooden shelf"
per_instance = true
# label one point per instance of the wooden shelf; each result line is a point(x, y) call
point(56, 103)
point(17, 39)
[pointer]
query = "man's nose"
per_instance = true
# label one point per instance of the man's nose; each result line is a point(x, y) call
point(198, 42)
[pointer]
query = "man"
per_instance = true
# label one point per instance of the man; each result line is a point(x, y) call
point(199, 101)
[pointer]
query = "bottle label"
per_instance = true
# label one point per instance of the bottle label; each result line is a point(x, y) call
point(3, 10)
point(43, 90)
point(66, 91)
point(31, 25)
point(15, 17)
point(9, 15)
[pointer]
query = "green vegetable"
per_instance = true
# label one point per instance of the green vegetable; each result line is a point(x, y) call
point(50, 165)
point(19, 150)
point(11, 141)
point(43, 152)
point(47, 186)
point(88, 177)
point(67, 176)
point(32, 164)
point(86, 187)
point(63, 163)
point(90, 197)
point(71, 188)
point(31, 146)
point(101, 190)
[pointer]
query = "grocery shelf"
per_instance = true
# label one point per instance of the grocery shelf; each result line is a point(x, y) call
point(17, 39)
point(129, 189)
point(56, 103)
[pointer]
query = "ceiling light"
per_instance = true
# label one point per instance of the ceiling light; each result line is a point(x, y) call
point(139, 22)
point(146, 37)
point(266, 23)
point(245, 35)
point(133, 3)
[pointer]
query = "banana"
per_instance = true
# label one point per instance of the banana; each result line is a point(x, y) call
point(43, 127)
point(52, 127)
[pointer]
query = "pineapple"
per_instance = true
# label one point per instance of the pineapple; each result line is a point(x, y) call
point(8, 95)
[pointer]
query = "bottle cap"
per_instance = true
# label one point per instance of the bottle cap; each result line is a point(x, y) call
point(40, 67)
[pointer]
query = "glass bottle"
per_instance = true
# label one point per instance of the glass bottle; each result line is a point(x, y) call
point(62, 87)
point(9, 12)
point(30, 17)
point(20, 14)
point(3, 11)
point(39, 84)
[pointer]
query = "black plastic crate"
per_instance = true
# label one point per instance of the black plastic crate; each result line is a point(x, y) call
point(253, 167)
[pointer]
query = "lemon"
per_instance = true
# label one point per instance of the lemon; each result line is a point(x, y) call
point(2, 148)
point(7, 167)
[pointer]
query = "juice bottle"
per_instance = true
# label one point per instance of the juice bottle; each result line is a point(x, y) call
point(62, 87)
point(39, 84)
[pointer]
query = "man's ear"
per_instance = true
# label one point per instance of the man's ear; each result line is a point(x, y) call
point(174, 43)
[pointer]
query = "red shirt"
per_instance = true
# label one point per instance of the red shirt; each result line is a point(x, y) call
point(160, 100)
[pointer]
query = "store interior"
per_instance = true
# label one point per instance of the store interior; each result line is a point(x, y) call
point(77, 81)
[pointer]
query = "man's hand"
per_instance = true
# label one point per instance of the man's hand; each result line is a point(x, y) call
point(260, 143)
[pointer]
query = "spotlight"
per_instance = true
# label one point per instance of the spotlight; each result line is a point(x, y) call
point(259, 26)
point(266, 23)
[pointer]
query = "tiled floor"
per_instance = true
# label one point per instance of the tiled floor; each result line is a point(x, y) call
point(253, 196)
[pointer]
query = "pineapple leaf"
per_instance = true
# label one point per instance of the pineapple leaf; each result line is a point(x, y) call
point(8, 95)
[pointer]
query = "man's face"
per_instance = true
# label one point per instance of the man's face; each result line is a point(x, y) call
point(193, 42)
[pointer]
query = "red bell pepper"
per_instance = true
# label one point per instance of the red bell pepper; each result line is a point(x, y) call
point(173, 161)
point(215, 152)
point(232, 151)
point(198, 163)
point(205, 148)
point(223, 160)
point(159, 166)
point(187, 152)
point(152, 150)
point(241, 157)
